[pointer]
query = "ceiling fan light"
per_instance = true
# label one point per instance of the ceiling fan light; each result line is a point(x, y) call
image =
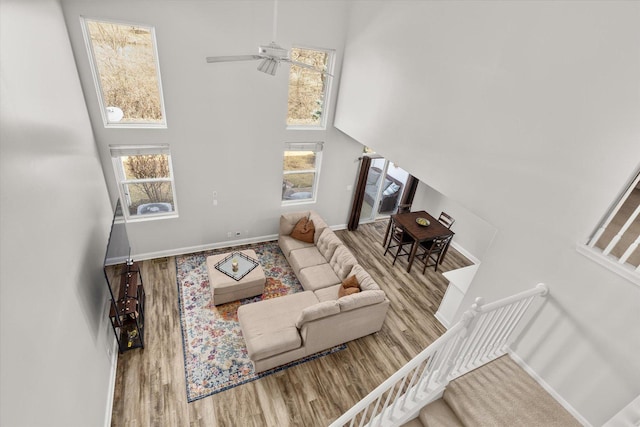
point(273, 67)
point(262, 67)
point(268, 66)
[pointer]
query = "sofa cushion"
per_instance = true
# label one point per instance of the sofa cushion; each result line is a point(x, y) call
point(319, 223)
point(328, 242)
point(317, 311)
point(305, 257)
point(361, 299)
point(269, 326)
point(365, 280)
point(342, 262)
point(288, 244)
point(304, 230)
point(317, 277)
point(329, 293)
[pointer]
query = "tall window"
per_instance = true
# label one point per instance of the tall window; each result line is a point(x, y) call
point(145, 181)
point(125, 67)
point(301, 171)
point(308, 89)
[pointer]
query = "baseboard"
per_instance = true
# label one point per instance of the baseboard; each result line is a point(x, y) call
point(442, 321)
point(627, 416)
point(200, 248)
point(548, 388)
point(211, 246)
point(258, 239)
point(464, 252)
point(112, 384)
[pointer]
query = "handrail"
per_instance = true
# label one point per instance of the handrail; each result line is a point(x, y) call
point(400, 375)
point(480, 336)
point(540, 289)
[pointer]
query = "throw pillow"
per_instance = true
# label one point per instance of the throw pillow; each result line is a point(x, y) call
point(349, 286)
point(350, 282)
point(304, 230)
point(391, 189)
point(343, 292)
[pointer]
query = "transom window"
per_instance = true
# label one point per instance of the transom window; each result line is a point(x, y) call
point(308, 89)
point(301, 170)
point(124, 62)
point(145, 181)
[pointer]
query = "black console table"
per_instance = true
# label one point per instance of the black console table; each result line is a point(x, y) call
point(127, 312)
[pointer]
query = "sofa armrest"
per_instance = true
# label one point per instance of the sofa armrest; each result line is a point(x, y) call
point(289, 220)
point(317, 311)
point(326, 332)
point(361, 299)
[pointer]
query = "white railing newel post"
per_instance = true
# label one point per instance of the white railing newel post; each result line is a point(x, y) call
point(545, 290)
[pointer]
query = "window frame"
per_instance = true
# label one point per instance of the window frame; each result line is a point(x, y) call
point(317, 148)
point(119, 151)
point(96, 74)
point(327, 89)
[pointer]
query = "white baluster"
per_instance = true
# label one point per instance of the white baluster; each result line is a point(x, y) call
point(613, 213)
point(623, 230)
point(632, 247)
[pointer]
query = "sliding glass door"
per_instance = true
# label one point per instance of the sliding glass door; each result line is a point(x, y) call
point(383, 190)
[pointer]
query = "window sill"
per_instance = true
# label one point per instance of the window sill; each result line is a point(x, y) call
point(303, 127)
point(610, 263)
point(298, 202)
point(135, 125)
point(144, 218)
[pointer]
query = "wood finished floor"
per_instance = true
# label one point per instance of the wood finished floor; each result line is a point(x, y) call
point(150, 383)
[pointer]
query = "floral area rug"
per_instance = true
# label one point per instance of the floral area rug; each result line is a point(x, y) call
point(215, 355)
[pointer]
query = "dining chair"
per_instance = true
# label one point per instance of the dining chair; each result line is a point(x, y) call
point(404, 208)
point(446, 219)
point(399, 239)
point(432, 250)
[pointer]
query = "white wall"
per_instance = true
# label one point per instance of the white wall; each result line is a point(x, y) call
point(525, 113)
point(473, 235)
point(226, 122)
point(55, 219)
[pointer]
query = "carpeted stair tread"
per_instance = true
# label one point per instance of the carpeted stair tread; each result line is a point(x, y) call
point(439, 414)
point(412, 423)
point(501, 393)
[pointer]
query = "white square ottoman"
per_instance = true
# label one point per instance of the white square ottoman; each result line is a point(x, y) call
point(226, 289)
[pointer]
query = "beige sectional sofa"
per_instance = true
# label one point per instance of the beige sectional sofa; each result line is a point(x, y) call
point(281, 330)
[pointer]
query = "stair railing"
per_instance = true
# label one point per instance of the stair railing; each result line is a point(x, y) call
point(482, 335)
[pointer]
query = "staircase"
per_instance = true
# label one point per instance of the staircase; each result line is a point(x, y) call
point(499, 393)
point(442, 386)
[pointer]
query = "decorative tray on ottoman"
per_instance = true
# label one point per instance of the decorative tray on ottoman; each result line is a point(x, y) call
point(245, 265)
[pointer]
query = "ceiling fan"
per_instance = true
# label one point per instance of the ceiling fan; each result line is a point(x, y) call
point(271, 55)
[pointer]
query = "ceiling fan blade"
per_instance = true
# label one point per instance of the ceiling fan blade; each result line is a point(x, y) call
point(232, 58)
point(310, 67)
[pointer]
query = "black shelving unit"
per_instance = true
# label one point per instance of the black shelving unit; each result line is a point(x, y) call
point(127, 312)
